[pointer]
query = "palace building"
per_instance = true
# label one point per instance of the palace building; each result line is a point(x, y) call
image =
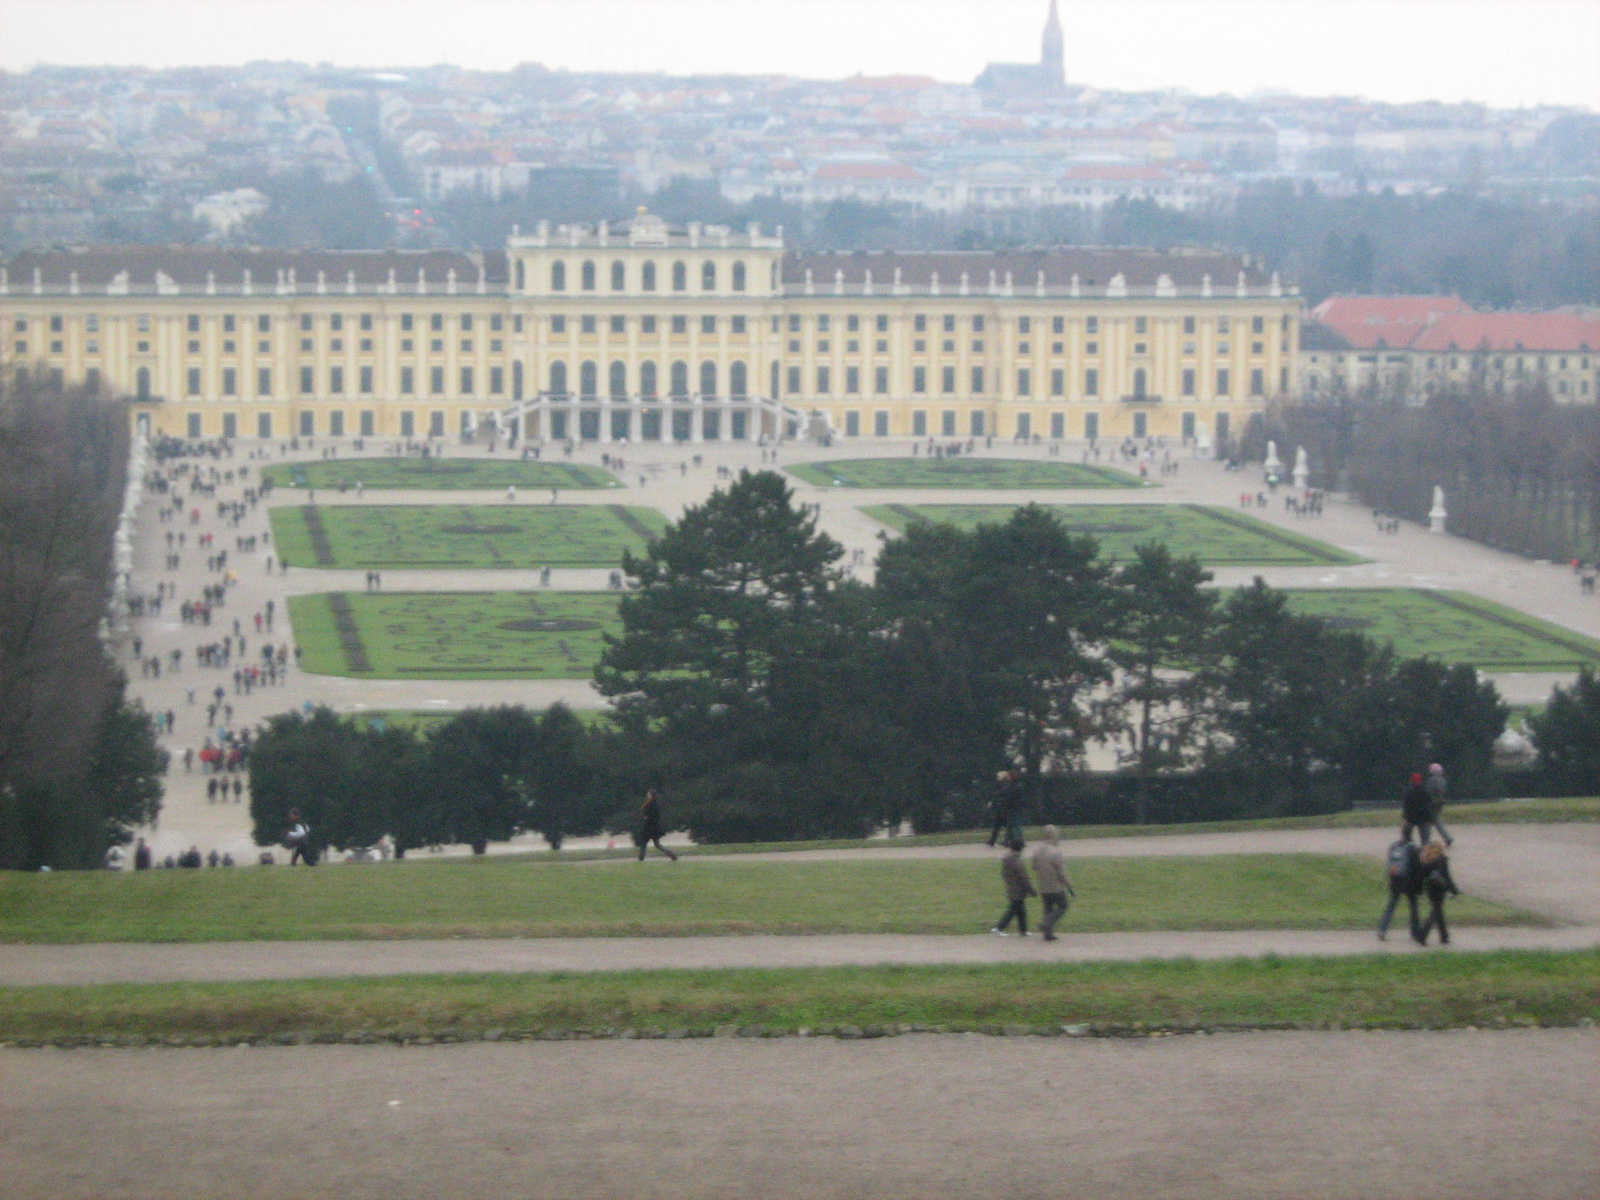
point(647, 332)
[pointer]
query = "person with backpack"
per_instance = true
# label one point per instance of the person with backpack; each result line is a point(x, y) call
point(1416, 810)
point(1437, 787)
point(1405, 879)
point(1018, 888)
point(1050, 869)
point(1007, 807)
point(650, 829)
point(1435, 866)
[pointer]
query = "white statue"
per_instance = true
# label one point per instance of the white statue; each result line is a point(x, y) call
point(1302, 468)
point(1437, 514)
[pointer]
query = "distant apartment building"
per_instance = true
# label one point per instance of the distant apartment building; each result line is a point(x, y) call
point(647, 332)
point(1408, 346)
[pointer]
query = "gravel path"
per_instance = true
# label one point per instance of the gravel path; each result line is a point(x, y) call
point(1550, 869)
point(1267, 1116)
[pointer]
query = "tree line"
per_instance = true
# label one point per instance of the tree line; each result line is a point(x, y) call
point(79, 764)
point(1521, 472)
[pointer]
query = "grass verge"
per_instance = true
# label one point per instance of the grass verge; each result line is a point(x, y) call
point(501, 897)
point(1439, 990)
point(1497, 812)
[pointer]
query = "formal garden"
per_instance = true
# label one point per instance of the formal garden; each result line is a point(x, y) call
point(1218, 537)
point(996, 474)
point(1455, 627)
point(452, 635)
point(462, 536)
point(436, 474)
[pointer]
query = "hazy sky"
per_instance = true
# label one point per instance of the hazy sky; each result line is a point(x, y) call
point(1504, 52)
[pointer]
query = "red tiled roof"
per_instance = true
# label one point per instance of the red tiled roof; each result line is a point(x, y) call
point(1368, 322)
point(1558, 331)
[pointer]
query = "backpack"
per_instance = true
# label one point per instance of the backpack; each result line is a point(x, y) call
point(1402, 860)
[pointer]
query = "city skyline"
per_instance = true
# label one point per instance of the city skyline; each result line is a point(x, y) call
point(1489, 51)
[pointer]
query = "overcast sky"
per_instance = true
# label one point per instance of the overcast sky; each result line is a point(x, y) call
point(1504, 52)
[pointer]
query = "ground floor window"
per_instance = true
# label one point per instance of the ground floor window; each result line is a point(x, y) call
point(194, 425)
point(852, 424)
point(919, 423)
point(880, 424)
point(1091, 425)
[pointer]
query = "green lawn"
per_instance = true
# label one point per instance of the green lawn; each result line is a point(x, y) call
point(453, 635)
point(462, 536)
point(966, 472)
point(500, 897)
point(1216, 536)
point(1453, 626)
point(1411, 991)
point(437, 474)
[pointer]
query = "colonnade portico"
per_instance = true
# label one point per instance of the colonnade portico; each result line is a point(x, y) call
point(695, 418)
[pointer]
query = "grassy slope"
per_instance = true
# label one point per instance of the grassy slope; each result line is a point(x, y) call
point(504, 897)
point(1415, 991)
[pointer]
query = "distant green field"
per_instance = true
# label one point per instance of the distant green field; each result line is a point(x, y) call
point(462, 536)
point(997, 474)
point(1216, 536)
point(437, 474)
point(1452, 626)
point(453, 635)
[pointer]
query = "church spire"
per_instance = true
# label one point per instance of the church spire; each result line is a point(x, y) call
point(1052, 60)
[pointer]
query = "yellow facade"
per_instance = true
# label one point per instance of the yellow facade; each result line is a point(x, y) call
point(648, 333)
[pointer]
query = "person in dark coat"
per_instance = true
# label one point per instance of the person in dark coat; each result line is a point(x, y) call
point(1405, 879)
point(1437, 883)
point(1007, 807)
point(650, 829)
point(1018, 888)
point(1416, 810)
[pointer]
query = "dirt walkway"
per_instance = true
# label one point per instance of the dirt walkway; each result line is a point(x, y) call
point(1550, 869)
point(1352, 1116)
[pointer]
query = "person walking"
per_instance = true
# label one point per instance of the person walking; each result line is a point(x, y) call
point(1007, 807)
point(298, 839)
point(1438, 788)
point(1050, 870)
point(141, 856)
point(650, 829)
point(1438, 884)
point(1416, 810)
point(1018, 888)
point(1405, 879)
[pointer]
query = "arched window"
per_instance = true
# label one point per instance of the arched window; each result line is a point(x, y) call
point(558, 378)
point(647, 278)
point(588, 276)
point(738, 381)
point(708, 378)
point(773, 283)
point(522, 276)
point(680, 381)
point(1139, 384)
point(141, 383)
point(558, 277)
point(516, 381)
point(738, 276)
point(619, 380)
point(708, 276)
point(588, 380)
point(647, 380)
point(680, 277)
point(773, 391)
point(619, 276)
